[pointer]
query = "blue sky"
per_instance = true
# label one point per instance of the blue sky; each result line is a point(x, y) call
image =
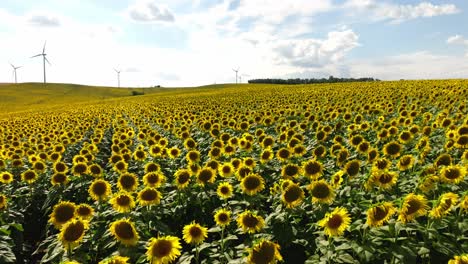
point(196, 42)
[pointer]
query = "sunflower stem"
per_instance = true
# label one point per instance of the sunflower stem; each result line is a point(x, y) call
point(197, 255)
point(222, 242)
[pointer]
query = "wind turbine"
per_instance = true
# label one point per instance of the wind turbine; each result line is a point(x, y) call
point(14, 71)
point(236, 71)
point(44, 59)
point(118, 76)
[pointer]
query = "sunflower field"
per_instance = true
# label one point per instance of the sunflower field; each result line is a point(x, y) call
point(332, 173)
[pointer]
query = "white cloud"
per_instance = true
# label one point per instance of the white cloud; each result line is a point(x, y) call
point(381, 10)
point(43, 20)
point(314, 53)
point(150, 11)
point(459, 40)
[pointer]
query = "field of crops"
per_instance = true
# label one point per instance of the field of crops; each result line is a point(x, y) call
point(333, 173)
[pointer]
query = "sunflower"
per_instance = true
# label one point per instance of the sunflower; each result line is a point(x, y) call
point(379, 214)
point(95, 170)
point(445, 203)
point(206, 175)
point(194, 233)
point(124, 231)
point(392, 149)
point(60, 167)
point(336, 222)
point(62, 213)
point(84, 211)
point(352, 167)
point(413, 206)
point(252, 184)
point(3, 202)
point(224, 190)
point(121, 166)
point(312, 169)
point(462, 259)
point(464, 203)
point(249, 162)
point(115, 260)
point(283, 154)
point(122, 202)
point(193, 156)
point(100, 190)
point(290, 171)
point(453, 174)
point(266, 156)
point(428, 183)
point(222, 217)
point(381, 164)
point(383, 179)
point(337, 179)
point(139, 155)
point(58, 179)
point(182, 178)
point(372, 155)
point(154, 179)
point(39, 166)
point(149, 196)
point(29, 176)
point(6, 177)
point(264, 252)
point(321, 192)
point(292, 195)
point(406, 162)
point(226, 170)
point(163, 250)
point(72, 233)
point(79, 169)
point(127, 182)
point(250, 222)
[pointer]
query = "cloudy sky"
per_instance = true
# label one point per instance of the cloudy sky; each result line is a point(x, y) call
point(196, 42)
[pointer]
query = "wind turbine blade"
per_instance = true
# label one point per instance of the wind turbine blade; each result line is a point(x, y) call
point(43, 49)
point(36, 55)
point(47, 61)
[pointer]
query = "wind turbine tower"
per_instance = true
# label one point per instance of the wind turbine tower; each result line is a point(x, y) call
point(14, 71)
point(44, 59)
point(236, 71)
point(118, 76)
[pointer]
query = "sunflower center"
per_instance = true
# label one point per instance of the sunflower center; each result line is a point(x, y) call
point(312, 168)
point(82, 210)
point(60, 167)
point(292, 194)
point(335, 221)
point(124, 230)
point(183, 178)
point(284, 154)
point(379, 213)
point(149, 195)
point(452, 174)
point(225, 190)
point(123, 200)
point(120, 165)
point(29, 175)
point(252, 182)
point(413, 206)
point(382, 164)
point(152, 178)
point(385, 178)
point(127, 181)
point(250, 221)
point(352, 168)
point(291, 171)
point(74, 231)
point(151, 167)
point(99, 188)
point(79, 168)
point(205, 176)
point(64, 213)
point(265, 254)
point(393, 148)
point(226, 169)
point(320, 191)
point(60, 178)
point(6, 177)
point(195, 232)
point(223, 218)
point(162, 248)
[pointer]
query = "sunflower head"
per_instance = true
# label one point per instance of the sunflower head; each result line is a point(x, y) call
point(292, 195)
point(100, 190)
point(125, 232)
point(312, 169)
point(3, 202)
point(122, 202)
point(206, 175)
point(290, 171)
point(336, 222)
point(62, 213)
point(379, 214)
point(222, 217)
point(154, 179)
point(250, 222)
point(80, 168)
point(163, 249)
point(115, 260)
point(392, 149)
point(413, 206)
point(453, 174)
point(149, 196)
point(182, 178)
point(84, 211)
point(226, 170)
point(352, 168)
point(383, 179)
point(194, 233)
point(321, 192)
point(29, 176)
point(127, 182)
point(444, 204)
point(72, 233)
point(6, 177)
point(264, 252)
point(225, 190)
point(252, 184)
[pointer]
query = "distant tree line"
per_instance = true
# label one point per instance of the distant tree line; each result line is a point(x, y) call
point(330, 79)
